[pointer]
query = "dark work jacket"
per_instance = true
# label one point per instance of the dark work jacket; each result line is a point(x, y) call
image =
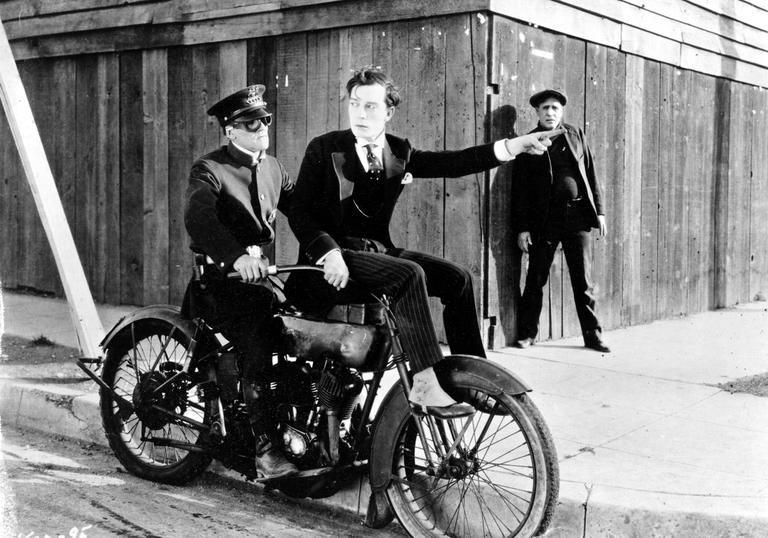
point(225, 212)
point(532, 183)
point(327, 178)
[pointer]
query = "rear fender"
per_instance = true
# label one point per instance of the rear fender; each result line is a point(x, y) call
point(395, 410)
point(164, 312)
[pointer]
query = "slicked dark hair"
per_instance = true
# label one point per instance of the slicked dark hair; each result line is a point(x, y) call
point(370, 75)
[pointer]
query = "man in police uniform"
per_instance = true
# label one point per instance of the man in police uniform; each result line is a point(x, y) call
point(557, 199)
point(231, 203)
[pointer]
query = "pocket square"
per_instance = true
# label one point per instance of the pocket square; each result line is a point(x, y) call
point(407, 178)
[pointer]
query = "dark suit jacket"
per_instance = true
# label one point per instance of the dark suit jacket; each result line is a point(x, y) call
point(532, 183)
point(327, 178)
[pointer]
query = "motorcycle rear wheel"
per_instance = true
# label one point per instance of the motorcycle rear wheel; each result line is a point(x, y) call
point(502, 480)
point(139, 360)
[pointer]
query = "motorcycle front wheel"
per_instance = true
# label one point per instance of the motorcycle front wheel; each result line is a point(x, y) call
point(493, 474)
point(161, 437)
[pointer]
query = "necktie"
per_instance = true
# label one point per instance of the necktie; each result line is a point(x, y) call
point(375, 168)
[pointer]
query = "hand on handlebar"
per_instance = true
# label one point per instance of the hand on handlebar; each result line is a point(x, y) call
point(251, 268)
point(335, 270)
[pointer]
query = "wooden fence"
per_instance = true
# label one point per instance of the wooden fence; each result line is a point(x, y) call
point(683, 157)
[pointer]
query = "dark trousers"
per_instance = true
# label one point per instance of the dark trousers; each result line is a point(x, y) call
point(241, 312)
point(453, 285)
point(541, 253)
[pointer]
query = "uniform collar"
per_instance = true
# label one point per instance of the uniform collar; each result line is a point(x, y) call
point(243, 156)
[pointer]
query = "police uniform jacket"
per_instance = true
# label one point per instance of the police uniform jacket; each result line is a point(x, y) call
point(331, 169)
point(533, 179)
point(232, 205)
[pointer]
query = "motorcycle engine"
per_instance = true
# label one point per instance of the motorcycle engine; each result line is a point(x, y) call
point(310, 401)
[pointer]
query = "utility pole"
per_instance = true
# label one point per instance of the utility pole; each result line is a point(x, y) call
point(81, 306)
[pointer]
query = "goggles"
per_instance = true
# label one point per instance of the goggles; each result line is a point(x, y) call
point(253, 125)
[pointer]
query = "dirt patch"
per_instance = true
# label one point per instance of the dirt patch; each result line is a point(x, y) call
point(16, 350)
point(753, 384)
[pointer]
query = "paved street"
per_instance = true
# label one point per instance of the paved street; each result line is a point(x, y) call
point(73, 489)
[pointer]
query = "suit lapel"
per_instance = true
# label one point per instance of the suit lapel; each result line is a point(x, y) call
point(346, 165)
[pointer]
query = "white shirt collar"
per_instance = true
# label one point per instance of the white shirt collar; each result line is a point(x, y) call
point(379, 141)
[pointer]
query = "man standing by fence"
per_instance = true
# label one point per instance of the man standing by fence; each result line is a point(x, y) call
point(557, 199)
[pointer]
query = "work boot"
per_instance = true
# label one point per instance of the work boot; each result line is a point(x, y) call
point(270, 460)
point(272, 463)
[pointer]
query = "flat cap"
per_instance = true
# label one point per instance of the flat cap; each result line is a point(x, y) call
point(243, 104)
point(539, 97)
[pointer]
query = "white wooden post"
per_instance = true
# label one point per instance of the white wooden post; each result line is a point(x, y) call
point(38, 172)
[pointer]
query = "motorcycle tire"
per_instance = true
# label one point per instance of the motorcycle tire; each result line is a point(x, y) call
point(502, 478)
point(139, 359)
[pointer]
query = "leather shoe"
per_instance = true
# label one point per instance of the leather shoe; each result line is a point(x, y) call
point(524, 343)
point(596, 343)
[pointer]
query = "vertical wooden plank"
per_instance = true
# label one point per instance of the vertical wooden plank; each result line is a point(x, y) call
point(261, 61)
point(184, 109)
point(737, 260)
point(425, 111)
point(650, 190)
point(571, 74)
point(107, 180)
point(463, 230)
point(131, 179)
point(505, 276)
point(605, 113)
point(155, 108)
point(10, 179)
point(233, 68)
point(291, 125)
point(698, 176)
point(670, 264)
point(30, 232)
point(707, 87)
point(83, 219)
point(38, 268)
point(321, 85)
point(390, 51)
point(423, 199)
point(61, 106)
point(721, 158)
point(631, 225)
point(758, 274)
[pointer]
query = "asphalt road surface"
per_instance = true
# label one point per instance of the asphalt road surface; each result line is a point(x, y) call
point(59, 488)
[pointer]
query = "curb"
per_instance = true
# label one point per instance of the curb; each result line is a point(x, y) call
point(72, 413)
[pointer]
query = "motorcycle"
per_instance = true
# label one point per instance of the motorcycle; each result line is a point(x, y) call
point(170, 404)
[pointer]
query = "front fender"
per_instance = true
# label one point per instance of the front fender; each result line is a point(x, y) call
point(452, 371)
point(479, 372)
point(164, 312)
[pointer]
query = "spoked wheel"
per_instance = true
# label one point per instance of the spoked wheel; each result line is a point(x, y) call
point(493, 474)
point(161, 437)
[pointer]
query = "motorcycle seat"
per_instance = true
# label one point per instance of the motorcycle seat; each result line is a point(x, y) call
point(357, 313)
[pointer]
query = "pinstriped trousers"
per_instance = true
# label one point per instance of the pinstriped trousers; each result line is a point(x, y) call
point(408, 278)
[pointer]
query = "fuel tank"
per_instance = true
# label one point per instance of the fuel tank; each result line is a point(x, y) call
point(359, 346)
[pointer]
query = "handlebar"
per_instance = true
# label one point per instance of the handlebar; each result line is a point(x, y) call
point(273, 270)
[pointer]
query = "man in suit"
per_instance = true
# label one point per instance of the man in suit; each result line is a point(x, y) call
point(346, 191)
point(231, 203)
point(557, 199)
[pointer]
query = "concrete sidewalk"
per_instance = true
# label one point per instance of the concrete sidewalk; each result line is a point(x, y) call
point(648, 444)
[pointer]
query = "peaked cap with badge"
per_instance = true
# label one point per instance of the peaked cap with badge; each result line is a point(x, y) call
point(245, 104)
